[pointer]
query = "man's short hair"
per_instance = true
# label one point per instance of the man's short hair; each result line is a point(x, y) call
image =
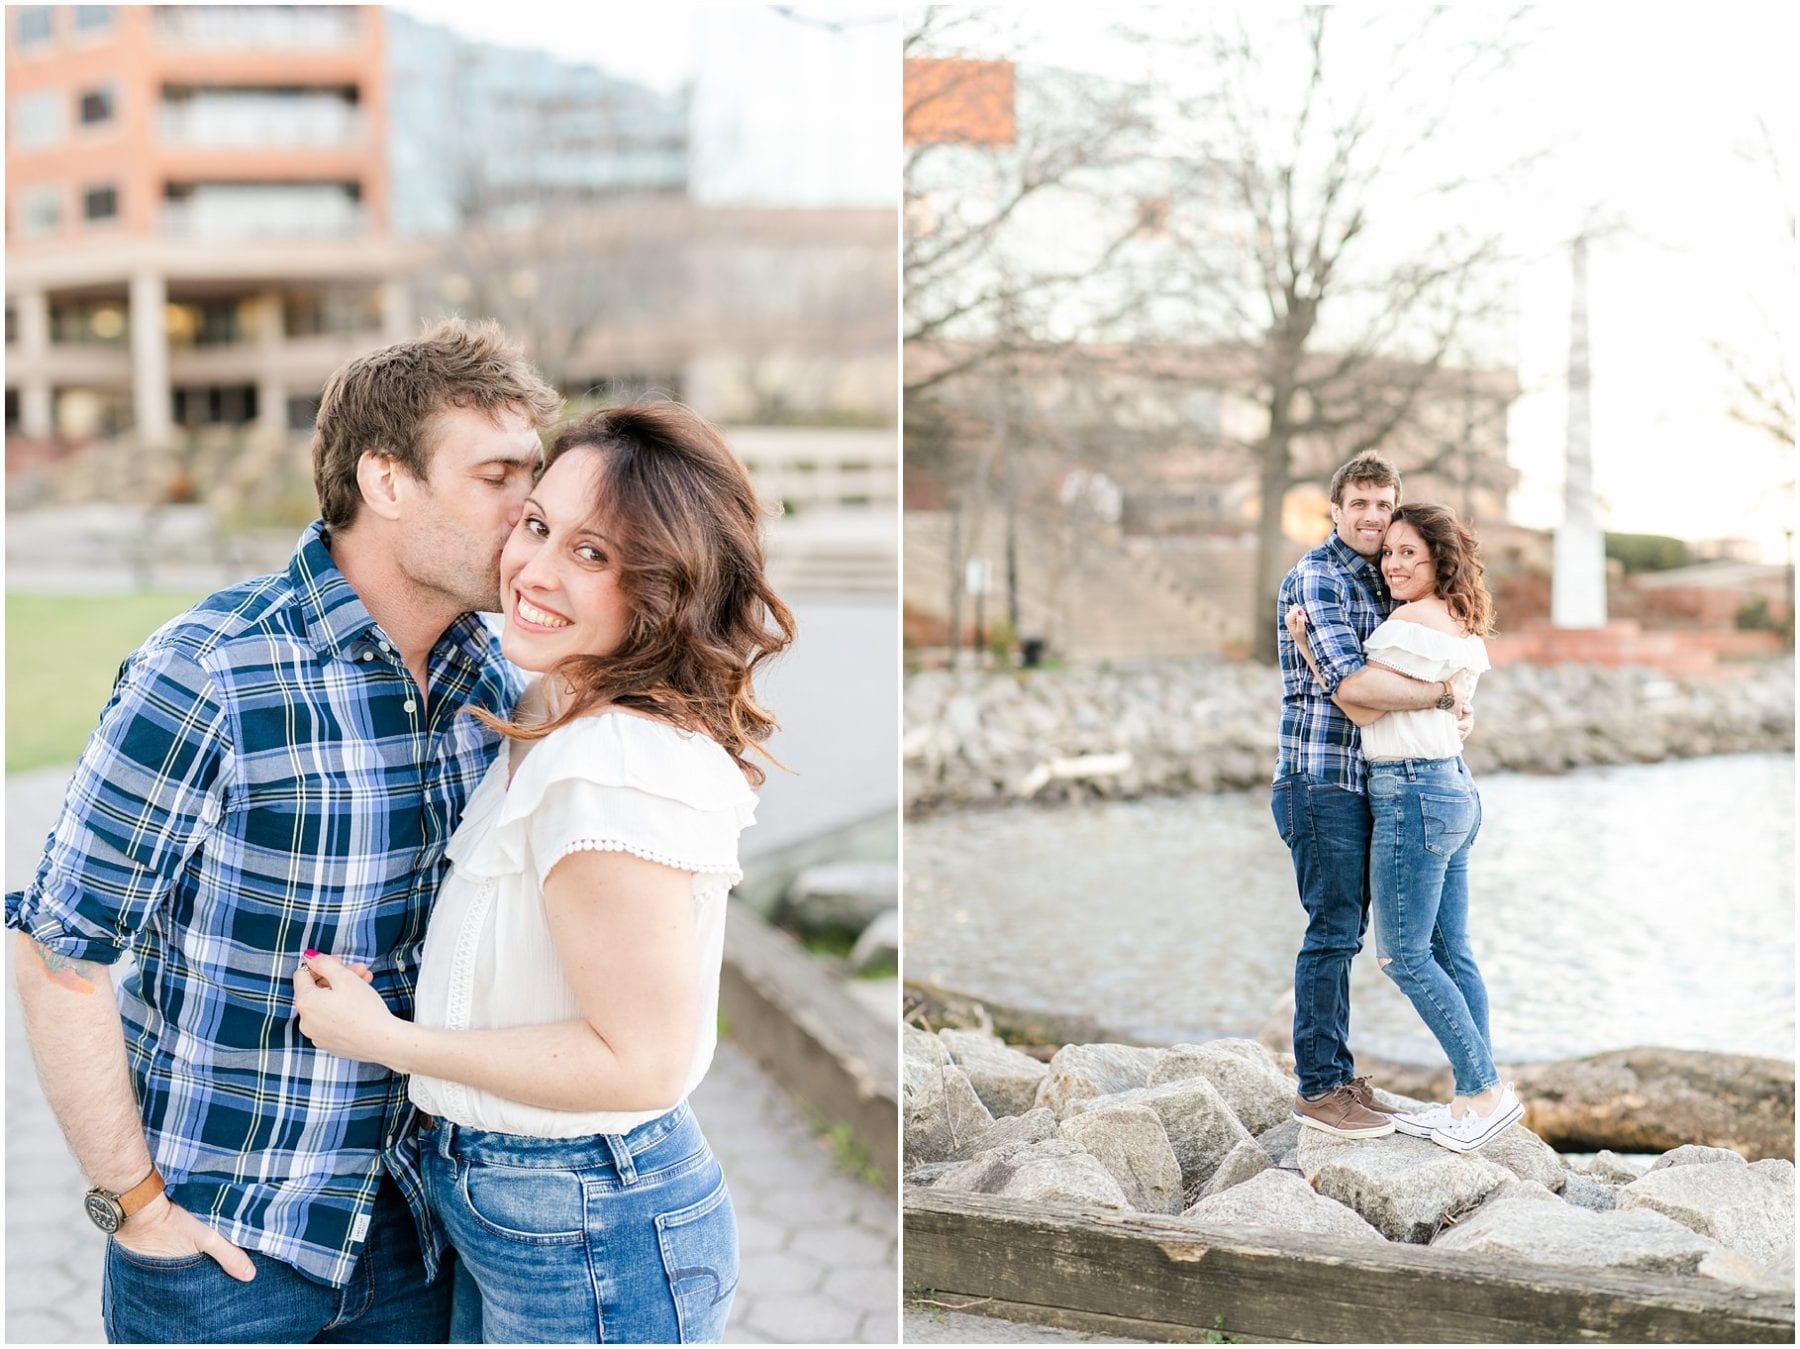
point(1368, 467)
point(387, 400)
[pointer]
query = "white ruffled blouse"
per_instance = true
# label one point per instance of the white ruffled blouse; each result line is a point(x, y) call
point(611, 782)
point(1424, 653)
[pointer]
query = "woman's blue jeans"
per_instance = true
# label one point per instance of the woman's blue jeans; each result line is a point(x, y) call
point(605, 1239)
point(1426, 816)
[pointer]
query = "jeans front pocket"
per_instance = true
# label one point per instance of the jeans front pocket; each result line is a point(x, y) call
point(535, 1206)
point(1449, 821)
point(700, 1257)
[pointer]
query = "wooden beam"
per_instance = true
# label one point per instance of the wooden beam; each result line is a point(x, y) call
point(1157, 1278)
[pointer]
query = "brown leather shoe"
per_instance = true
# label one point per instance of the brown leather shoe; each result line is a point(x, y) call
point(1365, 1097)
point(1339, 1112)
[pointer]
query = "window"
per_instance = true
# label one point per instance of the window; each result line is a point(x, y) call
point(96, 106)
point(100, 203)
point(33, 24)
point(90, 17)
point(40, 211)
point(37, 119)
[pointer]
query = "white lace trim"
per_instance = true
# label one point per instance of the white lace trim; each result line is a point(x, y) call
point(639, 850)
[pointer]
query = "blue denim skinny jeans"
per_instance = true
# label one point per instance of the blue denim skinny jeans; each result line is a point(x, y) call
point(1326, 829)
point(605, 1239)
point(1426, 816)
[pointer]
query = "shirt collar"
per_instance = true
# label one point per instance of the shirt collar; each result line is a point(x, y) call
point(335, 616)
point(1347, 557)
point(338, 621)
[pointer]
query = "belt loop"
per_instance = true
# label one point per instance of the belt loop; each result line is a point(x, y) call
point(621, 1155)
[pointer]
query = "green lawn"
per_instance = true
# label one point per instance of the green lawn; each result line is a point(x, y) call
point(61, 655)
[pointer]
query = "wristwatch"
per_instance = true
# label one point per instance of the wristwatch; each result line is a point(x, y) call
point(108, 1211)
point(1448, 702)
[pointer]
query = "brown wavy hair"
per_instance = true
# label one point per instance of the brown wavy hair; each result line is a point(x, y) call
point(684, 520)
point(1456, 562)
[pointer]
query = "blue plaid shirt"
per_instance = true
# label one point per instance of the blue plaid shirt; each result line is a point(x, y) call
point(263, 781)
point(1345, 600)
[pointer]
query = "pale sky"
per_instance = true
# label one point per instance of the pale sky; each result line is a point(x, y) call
point(1650, 113)
point(795, 105)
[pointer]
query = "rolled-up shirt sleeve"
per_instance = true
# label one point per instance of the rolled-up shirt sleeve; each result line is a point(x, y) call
point(1335, 644)
point(142, 799)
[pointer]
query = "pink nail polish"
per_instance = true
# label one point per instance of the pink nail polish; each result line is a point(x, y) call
point(309, 953)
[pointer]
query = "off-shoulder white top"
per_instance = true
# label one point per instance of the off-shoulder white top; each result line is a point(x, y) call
point(612, 782)
point(1424, 653)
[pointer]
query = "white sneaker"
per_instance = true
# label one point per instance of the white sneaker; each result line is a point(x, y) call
point(1420, 1123)
point(1475, 1130)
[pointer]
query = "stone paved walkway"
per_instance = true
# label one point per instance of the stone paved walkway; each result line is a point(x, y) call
point(819, 1246)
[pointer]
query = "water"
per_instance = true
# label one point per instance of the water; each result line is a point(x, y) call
point(1651, 904)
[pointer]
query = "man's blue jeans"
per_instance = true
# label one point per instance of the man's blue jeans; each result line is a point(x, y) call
point(1427, 814)
point(1326, 829)
point(188, 1299)
point(603, 1239)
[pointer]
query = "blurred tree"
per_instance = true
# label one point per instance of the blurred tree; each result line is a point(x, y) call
point(1326, 217)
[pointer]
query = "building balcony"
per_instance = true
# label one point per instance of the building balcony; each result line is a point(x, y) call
point(329, 124)
point(256, 27)
point(301, 219)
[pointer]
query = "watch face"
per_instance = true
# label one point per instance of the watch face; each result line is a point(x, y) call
point(104, 1210)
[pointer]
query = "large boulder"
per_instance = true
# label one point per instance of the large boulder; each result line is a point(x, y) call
point(1651, 1100)
point(1527, 1156)
point(1281, 1200)
point(1129, 1141)
point(921, 1054)
point(1406, 1187)
point(1586, 1192)
point(1055, 1171)
point(1613, 1169)
point(1258, 1092)
point(941, 1114)
point(1034, 1126)
point(1085, 1072)
point(1005, 1079)
point(1524, 1228)
point(1241, 1163)
point(1695, 1154)
point(1200, 1126)
point(1281, 1142)
point(1743, 1209)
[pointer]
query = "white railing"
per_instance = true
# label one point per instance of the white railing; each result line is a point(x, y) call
point(267, 219)
point(258, 123)
point(257, 26)
point(812, 468)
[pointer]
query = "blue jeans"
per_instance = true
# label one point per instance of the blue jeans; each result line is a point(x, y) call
point(1326, 829)
point(188, 1299)
point(1427, 814)
point(605, 1239)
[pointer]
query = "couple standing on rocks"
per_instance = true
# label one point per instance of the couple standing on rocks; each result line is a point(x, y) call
point(1380, 633)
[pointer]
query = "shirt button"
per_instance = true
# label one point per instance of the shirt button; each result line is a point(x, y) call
point(384, 646)
point(409, 704)
point(368, 655)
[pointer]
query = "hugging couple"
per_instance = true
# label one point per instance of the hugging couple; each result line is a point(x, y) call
point(1380, 631)
point(424, 957)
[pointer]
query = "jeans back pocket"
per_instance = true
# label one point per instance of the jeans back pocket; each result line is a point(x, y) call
point(1449, 821)
point(700, 1256)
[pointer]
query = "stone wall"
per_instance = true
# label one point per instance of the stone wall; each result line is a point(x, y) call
point(976, 738)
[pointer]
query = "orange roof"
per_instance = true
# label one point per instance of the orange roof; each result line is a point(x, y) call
point(954, 99)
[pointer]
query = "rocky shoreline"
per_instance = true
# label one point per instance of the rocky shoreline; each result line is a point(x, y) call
point(976, 738)
point(1204, 1132)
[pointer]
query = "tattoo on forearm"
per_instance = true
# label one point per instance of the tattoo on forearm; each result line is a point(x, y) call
point(63, 971)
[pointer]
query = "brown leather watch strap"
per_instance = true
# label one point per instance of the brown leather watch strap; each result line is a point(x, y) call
point(142, 1193)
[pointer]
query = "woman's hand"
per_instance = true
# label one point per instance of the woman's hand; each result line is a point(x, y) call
point(340, 1013)
point(1296, 624)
